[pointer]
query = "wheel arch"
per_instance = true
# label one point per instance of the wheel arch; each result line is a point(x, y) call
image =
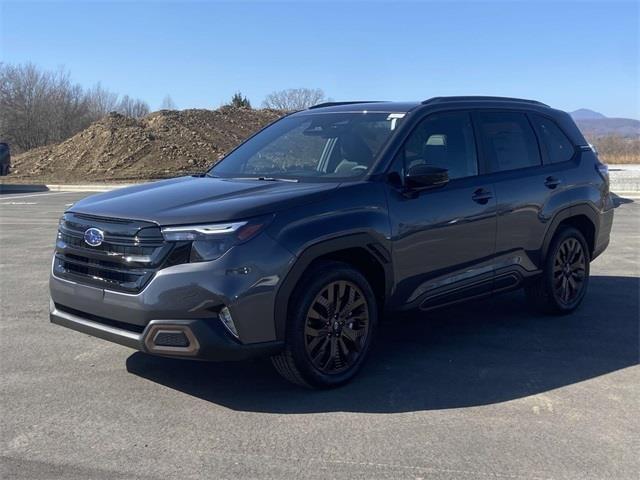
point(582, 217)
point(361, 250)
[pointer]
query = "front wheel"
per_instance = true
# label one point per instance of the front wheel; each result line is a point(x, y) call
point(332, 318)
point(563, 283)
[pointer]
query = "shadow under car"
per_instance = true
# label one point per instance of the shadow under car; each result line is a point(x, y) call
point(472, 354)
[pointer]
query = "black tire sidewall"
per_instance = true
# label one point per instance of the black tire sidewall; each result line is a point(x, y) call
point(313, 282)
point(548, 274)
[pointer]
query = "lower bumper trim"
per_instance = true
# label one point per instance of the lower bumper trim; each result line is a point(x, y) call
point(106, 332)
point(208, 340)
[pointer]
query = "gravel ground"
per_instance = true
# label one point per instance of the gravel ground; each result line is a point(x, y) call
point(483, 390)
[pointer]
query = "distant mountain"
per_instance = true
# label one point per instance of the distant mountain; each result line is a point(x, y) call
point(594, 124)
point(586, 114)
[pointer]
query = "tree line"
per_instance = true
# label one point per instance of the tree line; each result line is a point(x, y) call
point(288, 100)
point(41, 107)
point(614, 149)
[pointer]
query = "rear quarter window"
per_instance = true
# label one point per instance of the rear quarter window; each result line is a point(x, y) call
point(557, 146)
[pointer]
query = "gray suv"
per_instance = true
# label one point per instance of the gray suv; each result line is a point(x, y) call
point(297, 242)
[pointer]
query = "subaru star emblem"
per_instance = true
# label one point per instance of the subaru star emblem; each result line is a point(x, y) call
point(93, 237)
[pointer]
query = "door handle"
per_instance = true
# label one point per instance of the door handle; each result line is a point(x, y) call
point(481, 196)
point(552, 182)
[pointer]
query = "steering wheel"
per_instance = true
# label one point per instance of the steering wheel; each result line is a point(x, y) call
point(358, 168)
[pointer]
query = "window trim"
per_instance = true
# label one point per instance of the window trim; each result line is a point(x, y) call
point(418, 122)
point(486, 158)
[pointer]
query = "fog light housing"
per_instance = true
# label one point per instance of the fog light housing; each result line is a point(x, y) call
point(171, 338)
point(227, 321)
point(164, 338)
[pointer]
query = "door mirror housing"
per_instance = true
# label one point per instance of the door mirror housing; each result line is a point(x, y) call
point(426, 176)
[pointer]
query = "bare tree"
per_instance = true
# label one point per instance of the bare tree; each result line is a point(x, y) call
point(294, 99)
point(39, 107)
point(616, 149)
point(132, 107)
point(101, 101)
point(168, 103)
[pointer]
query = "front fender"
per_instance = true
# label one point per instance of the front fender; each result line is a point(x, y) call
point(327, 227)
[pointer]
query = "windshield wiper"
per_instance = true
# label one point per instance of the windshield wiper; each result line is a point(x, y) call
point(268, 179)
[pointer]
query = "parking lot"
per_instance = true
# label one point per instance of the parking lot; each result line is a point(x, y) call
point(483, 390)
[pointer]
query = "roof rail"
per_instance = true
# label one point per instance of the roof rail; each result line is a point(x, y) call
point(481, 99)
point(333, 104)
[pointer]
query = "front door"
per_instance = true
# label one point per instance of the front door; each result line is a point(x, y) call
point(443, 238)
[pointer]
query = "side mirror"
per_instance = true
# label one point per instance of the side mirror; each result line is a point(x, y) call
point(426, 176)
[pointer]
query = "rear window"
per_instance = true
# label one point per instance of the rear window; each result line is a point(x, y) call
point(443, 140)
point(556, 144)
point(508, 140)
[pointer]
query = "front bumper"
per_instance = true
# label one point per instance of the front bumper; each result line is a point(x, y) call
point(207, 340)
point(188, 297)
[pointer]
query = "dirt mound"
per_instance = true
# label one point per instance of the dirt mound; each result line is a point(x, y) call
point(163, 144)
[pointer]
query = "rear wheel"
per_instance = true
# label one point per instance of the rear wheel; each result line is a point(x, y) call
point(564, 280)
point(332, 318)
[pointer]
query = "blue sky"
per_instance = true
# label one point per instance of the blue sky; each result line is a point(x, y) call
point(570, 55)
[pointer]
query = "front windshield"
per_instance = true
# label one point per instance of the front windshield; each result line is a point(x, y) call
point(314, 145)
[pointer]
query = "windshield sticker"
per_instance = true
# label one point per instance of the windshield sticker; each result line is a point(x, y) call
point(394, 118)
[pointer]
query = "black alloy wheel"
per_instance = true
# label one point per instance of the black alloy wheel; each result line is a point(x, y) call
point(569, 271)
point(331, 322)
point(337, 327)
point(563, 283)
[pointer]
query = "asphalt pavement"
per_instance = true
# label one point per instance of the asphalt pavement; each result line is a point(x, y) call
point(487, 390)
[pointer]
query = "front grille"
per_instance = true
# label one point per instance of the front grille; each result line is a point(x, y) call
point(128, 257)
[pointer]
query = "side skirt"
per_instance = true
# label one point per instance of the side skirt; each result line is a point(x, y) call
point(503, 282)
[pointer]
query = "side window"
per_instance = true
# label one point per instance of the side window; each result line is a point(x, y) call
point(443, 140)
point(508, 140)
point(558, 147)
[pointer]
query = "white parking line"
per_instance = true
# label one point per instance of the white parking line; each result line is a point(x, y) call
point(11, 197)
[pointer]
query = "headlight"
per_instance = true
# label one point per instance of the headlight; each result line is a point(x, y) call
point(211, 241)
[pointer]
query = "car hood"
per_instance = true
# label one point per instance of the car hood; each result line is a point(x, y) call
point(187, 200)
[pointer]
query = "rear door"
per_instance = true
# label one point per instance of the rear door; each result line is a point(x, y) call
point(443, 238)
point(524, 189)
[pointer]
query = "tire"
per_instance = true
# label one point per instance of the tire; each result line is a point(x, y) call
point(563, 266)
point(332, 319)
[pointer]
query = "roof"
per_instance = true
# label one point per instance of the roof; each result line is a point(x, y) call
point(436, 103)
point(369, 106)
point(481, 99)
point(380, 106)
